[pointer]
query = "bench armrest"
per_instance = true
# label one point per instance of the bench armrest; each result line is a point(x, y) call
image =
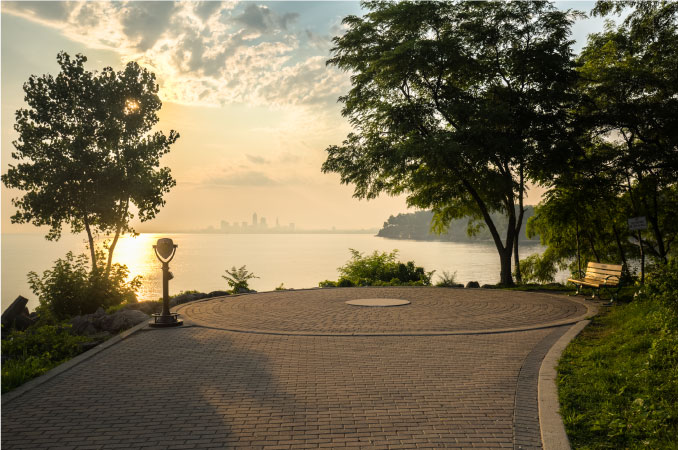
point(616, 278)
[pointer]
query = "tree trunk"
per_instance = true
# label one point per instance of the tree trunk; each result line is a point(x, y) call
point(621, 249)
point(505, 273)
point(516, 261)
point(90, 238)
point(115, 239)
point(504, 278)
point(576, 223)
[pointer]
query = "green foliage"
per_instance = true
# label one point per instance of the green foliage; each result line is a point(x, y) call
point(462, 133)
point(618, 382)
point(237, 279)
point(379, 269)
point(281, 287)
point(87, 151)
point(629, 86)
point(70, 288)
point(447, 279)
point(33, 352)
point(538, 269)
point(662, 285)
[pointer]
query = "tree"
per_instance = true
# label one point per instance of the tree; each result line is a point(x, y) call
point(457, 105)
point(87, 153)
point(629, 84)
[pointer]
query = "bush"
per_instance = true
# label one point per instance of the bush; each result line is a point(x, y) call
point(661, 285)
point(28, 354)
point(237, 279)
point(447, 279)
point(71, 289)
point(379, 269)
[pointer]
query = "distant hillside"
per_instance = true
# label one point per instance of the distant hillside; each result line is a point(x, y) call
point(417, 226)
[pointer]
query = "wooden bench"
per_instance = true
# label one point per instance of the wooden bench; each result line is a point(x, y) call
point(600, 276)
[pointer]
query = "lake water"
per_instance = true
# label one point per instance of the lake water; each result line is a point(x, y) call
point(297, 260)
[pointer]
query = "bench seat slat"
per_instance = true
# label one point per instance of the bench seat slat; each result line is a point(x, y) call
point(605, 266)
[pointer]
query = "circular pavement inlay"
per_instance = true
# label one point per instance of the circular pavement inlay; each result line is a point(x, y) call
point(378, 302)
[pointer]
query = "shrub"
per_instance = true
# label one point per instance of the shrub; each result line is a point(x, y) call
point(327, 283)
point(447, 279)
point(379, 269)
point(661, 284)
point(33, 352)
point(237, 279)
point(71, 289)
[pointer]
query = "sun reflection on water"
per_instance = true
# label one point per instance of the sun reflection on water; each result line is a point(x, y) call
point(138, 255)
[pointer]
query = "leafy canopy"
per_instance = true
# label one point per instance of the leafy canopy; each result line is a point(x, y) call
point(455, 104)
point(87, 153)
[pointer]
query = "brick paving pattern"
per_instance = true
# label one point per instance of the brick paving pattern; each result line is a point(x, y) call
point(200, 387)
point(431, 310)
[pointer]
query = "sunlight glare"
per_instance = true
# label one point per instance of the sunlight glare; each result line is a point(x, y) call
point(138, 255)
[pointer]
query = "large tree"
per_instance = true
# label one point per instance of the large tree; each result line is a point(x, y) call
point(88, 155)
point(629, 86)
point(456, 104)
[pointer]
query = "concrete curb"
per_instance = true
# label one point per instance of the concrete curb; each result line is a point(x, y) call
point(58, 370)
point(553, 435)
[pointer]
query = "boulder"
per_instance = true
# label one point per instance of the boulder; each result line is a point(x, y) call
point(83, 325)
point(125, 319)
point(218, 294)
point(243, 290)
point(98, 322)
point(185, 298)
point(472, 284)
point(17, 315)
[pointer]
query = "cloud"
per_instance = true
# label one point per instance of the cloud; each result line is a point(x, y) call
point(262, 19)
point(250, 178)
point(146, 21)
point(257, 159)
point(204, 53)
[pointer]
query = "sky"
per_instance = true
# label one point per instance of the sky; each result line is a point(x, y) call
point(244, 83)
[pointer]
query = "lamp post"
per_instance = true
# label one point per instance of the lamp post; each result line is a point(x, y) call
point(165, 250)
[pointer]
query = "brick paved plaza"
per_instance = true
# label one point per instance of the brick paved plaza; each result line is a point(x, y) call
point(302, 369)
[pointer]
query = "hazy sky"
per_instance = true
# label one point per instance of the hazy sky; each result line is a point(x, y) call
point(246, 86)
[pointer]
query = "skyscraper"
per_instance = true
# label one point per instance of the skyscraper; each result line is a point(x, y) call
point(254, 220)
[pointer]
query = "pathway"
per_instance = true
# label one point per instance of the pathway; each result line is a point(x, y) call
point(456, 368)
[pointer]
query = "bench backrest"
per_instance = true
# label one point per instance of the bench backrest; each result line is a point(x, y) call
point(598, 271)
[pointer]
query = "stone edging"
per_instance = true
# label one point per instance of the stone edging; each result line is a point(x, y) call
point(553, 435)
point(61, 368)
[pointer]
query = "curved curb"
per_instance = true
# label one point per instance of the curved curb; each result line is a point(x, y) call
point(553, 435)
point(591, 310)
point(61, 368)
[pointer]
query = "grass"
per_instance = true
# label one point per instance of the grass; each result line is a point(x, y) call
point(618, 380)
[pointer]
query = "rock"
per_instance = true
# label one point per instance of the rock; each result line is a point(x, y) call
point(185, 298)
point(472, 284)
point(489, 286)
point(125, 319)
point(83, 325)
point(16, 315)
point(98, 322)
point(218, 294)
point(243, 290)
